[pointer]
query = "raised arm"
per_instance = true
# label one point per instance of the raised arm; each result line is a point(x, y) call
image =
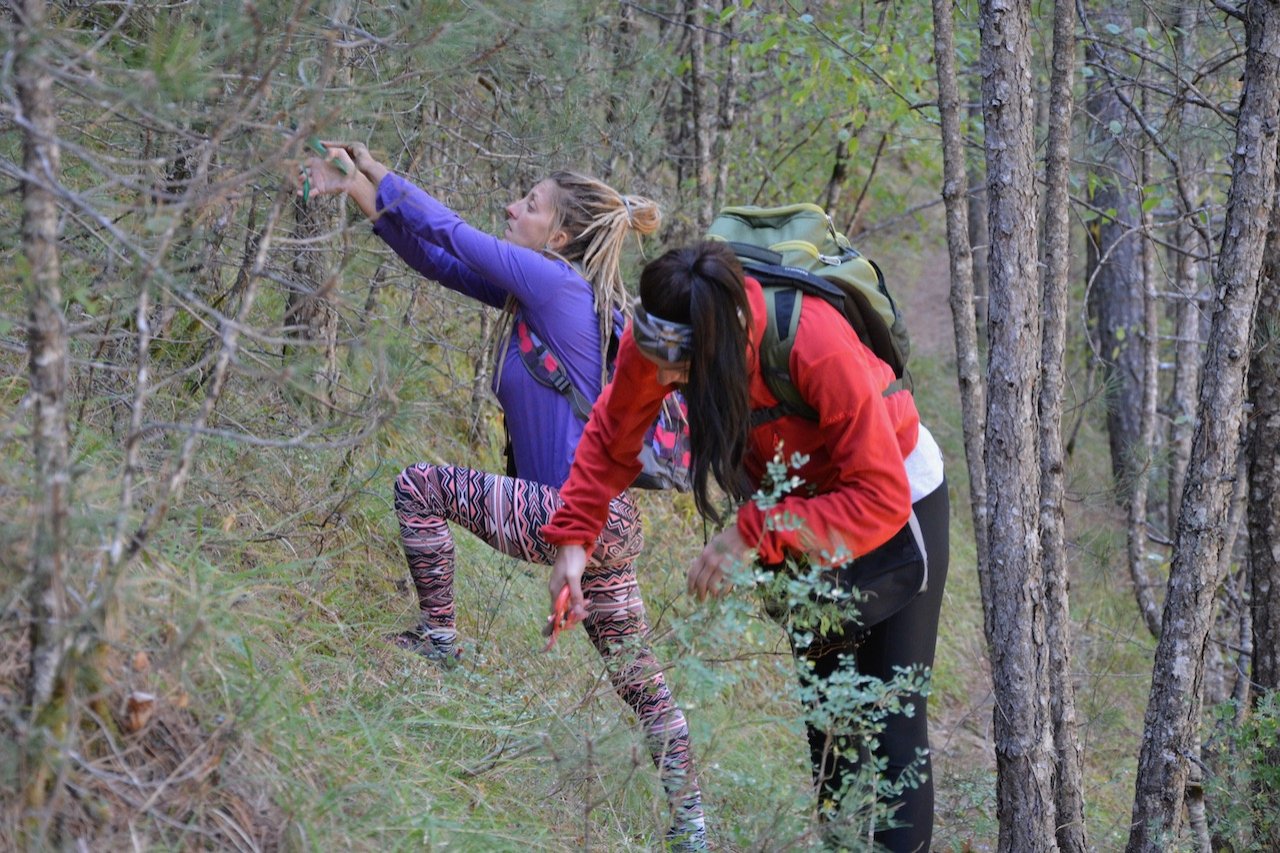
point(429, 236)
point(517, 271)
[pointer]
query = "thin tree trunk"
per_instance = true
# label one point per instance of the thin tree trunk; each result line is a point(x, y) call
point(1068, 789)
point(954, 196)
point(311, 317)
point(725, 112)
point(48, 631)
point(1144, 344)
point(702, 119)
point(1188, 313)
point(1116, 296)
point(1264, 468)
point(1014, 607)
point(47, 356)
point(1173, 711)
point(621, 35)
point(839, 172)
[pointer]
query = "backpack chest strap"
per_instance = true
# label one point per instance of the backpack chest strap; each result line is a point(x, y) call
point(782, 311)
point(782, 314)
point(547, 370)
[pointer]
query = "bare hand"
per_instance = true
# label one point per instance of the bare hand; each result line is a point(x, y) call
point(363, 160)
point(571, 561)
point(325, 175)
point(709, 574)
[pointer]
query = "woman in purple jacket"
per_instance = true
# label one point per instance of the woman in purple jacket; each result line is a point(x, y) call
point(557, 271)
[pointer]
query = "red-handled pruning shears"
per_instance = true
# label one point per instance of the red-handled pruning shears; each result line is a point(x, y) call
point(561, 618)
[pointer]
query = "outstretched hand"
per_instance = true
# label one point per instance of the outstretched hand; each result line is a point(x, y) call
point(709, 574)
point(334, 173)
point(360, 156)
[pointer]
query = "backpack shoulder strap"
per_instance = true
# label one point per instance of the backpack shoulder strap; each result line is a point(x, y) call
point(782, 314)
point(544, 367)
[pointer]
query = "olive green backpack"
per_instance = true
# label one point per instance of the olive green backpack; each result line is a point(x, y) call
point(794, 250)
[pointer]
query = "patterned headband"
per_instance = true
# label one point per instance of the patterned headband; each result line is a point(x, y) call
point(663, 339)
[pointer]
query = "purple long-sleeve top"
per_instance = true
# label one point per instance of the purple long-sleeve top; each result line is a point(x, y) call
point(552, 297)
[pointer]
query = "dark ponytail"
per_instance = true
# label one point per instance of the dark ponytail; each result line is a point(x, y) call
point(702, 286)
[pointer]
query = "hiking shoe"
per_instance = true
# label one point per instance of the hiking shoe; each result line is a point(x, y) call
point(419, 642)
point(687, 839)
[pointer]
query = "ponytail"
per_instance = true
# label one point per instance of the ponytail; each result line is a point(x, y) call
point(599, 219)
point(702, 286)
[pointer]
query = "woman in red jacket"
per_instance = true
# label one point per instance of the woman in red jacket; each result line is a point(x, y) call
point(872, 501)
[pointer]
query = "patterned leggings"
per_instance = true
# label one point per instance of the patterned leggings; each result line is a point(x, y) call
point(508, 514)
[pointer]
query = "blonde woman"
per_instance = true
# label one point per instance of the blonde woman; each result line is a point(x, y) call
point(555, 272)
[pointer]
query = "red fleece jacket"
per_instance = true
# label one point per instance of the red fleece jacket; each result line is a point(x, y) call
point(855, 493)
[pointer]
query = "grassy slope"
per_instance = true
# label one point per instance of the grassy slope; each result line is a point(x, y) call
point(262, 616)
point(375, 749)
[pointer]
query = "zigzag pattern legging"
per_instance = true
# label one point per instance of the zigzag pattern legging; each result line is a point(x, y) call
point(508, 514)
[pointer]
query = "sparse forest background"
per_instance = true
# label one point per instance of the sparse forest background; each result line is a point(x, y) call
point(209, 386)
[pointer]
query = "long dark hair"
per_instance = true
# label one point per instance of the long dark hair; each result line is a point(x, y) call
point(702, 286)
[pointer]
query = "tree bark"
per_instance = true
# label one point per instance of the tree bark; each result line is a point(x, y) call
point(1264, 467)
point(1145, 345)
point(1014, 607)
point(47, 356)
point(954, 195)
point(725, 114)
point(311, 317)
point(1173, 711)
point(1188, 312)
point(978, 237)
point(702, 119)
point(1068, 788)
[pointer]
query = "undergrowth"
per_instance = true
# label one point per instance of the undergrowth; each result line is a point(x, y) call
point(280, 717)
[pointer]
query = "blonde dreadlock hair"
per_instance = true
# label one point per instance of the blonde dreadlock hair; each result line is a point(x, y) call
point(598, 219)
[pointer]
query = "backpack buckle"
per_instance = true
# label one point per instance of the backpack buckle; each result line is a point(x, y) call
point(560, 381)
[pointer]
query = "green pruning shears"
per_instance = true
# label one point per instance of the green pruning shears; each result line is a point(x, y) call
point(314, 143)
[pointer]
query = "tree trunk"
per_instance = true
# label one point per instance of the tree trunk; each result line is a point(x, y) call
point(311, 317)
point(1116, 295)
point(1145, 344)
point(1264, 467)
point(1173, 711)
point(47, 356)
point(726, 110)
point(954, 195)
point(702, 119)
point(48, 631)
point(979, 240)
point(1187, 310)
point(1068, 789)
point(1014, 604)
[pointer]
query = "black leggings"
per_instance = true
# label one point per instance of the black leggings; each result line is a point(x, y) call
point(907, 638)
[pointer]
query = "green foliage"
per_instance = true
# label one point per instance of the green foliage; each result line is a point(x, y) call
point(849, 706)
point(851, 83)
point(1242, 785)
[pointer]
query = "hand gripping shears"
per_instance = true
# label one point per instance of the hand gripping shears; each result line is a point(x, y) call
point(561, 618)
point(317, 146)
